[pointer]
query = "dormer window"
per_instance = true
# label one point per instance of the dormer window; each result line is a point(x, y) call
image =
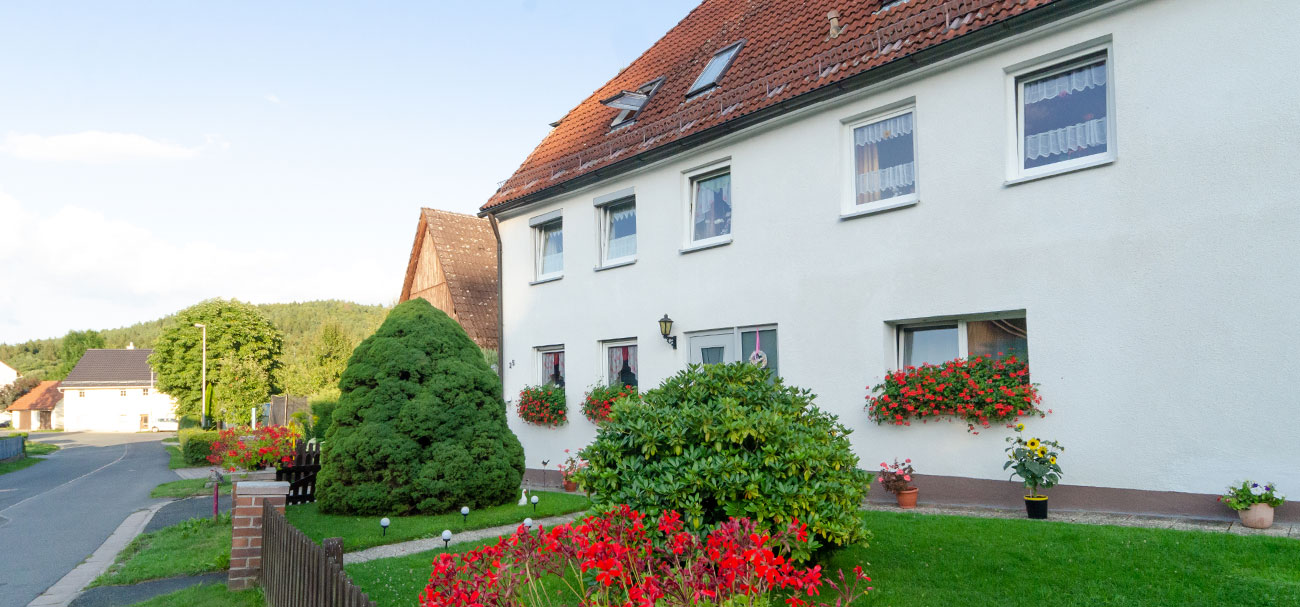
point(715, 69)
point(630, 103)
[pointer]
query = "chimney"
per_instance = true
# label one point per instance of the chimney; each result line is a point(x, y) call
point(130, 346)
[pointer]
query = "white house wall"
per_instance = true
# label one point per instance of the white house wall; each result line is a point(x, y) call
point(106, 410)
point(1160, 291)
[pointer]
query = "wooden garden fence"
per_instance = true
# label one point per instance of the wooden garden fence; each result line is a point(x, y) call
point(11, 447)
point(297, 572)
point(301, 473)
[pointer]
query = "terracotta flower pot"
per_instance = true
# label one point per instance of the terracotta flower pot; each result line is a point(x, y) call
point(1036, 506)
point(907, 498)
point(1257, 516)
point(570, 486)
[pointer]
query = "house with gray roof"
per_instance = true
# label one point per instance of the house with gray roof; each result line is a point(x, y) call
point(114, 391)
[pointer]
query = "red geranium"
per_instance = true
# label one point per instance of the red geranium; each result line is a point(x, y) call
point(600, 400)
point(543, 405)
point(982, 390)
point(249, 449)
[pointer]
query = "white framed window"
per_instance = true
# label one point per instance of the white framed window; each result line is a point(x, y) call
point(710, 206)
point(621, 363)
point(145, 391)
point(630, 104)
point(1064, 114)
point(882, 162)
point(715, 68)
point(938, 341)
point(617, 217)
point(548, 245)
point(123, 392)
point(550, 365)
point(81, 394)
point(756, 343)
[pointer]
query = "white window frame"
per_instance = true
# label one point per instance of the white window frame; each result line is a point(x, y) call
point(734, 334)
point(1056, 63)
point(697, 87)
point(603, 205)
point(605, 347)
point(144, 392)
point(81, 394)
point(963, 340)
point(539, 360)
point(537, 225)
point(849, 207)
point(690, 177)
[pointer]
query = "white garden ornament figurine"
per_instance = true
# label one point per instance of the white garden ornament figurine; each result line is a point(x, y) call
point(523, 498)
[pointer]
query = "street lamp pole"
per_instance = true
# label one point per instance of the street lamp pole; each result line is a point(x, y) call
point(203, 373)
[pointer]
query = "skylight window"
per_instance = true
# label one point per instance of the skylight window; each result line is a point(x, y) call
point(630, 103)
point(715, 69)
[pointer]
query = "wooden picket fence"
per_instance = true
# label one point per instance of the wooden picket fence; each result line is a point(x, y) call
point(297, 572)
point(301, 474)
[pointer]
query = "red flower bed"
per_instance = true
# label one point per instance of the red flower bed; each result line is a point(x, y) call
point(618, 560)
point(249, 449)
point(600, 399)
point(982, 390)
point(543, 405)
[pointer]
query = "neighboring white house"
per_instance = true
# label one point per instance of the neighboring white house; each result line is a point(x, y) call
point(113, 391)
point(7, 376)
point(1110, 185)
point(39, 409)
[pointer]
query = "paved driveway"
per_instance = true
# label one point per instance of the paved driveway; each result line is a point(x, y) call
point(54, 514)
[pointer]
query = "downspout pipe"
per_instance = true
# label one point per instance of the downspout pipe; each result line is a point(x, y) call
point(501, 331)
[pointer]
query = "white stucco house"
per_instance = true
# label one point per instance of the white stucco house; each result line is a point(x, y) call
point(1107, 186)
point(113, 391)
point(7, 376)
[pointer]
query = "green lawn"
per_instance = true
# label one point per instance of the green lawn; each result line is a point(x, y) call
point(41, 448)
point(360, 532)
point(195, 546)
point(208, 595)
point(951, 561)
point(187, 488)
point(177, 459)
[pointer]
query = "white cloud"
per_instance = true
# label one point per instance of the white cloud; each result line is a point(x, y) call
point(272, 98)
point(101, 147)
point(77, 268)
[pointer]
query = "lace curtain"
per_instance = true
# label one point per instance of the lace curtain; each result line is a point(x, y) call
point(618, 375)
point(552, 248)
point(622, 232)
point(1072, 81)
point(1066, 139)
point(553, 368)
point(888, 178)
point(885, 129)
point(713, 207)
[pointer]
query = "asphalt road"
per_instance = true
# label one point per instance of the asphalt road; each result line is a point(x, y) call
point(56, 513)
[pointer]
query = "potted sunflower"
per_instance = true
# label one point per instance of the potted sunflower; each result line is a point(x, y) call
point(1254, 503)
point(1034, 461)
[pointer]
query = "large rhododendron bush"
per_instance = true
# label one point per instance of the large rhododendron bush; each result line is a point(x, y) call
point(623, 559)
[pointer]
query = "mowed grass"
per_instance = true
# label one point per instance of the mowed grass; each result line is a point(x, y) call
point(359, 532)
point(951, 561)
point(194, 546)
point(175, 458)
point(188, 487)
point(40, 448)
point(208, 595)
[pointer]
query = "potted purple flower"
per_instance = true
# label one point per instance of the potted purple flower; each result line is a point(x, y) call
point(1254, 503)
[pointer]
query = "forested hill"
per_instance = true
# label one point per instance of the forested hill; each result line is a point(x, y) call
point(300, 323)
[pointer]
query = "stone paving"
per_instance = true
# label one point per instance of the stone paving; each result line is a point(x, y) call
point(1279, 529)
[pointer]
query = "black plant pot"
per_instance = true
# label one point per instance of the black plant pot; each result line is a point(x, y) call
point(1036, 507)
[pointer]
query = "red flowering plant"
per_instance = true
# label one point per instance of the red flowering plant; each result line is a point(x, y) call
point(543, 405)
point(982, 390)
point(249, 449)
point(600, 399)
point(620, 558)
point(896, 477)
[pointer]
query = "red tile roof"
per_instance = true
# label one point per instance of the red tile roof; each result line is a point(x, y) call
point(787, 53)
point(466, 250)
point(42, 398)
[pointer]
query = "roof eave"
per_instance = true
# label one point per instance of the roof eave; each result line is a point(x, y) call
point(1017, 24)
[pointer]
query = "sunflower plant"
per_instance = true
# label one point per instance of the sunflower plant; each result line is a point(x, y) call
point(1033, 460)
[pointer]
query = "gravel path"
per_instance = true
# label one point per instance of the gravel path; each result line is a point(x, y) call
point(424, 545)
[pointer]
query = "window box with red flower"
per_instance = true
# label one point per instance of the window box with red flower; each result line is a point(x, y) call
point(982, 390)
point(599, 400)
point(256, 451)
point(543, 405)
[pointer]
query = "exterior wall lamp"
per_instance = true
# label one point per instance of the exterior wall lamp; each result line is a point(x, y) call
point(666, 329)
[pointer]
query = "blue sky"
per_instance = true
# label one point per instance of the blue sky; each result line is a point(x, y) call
point(153, 154)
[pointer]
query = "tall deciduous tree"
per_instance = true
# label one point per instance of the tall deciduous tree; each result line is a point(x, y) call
point(242, 383)
point(238, 335)
point(74, 345)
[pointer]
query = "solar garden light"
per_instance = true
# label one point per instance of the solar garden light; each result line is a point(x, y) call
point(446, 539)
point(528, 522)
point(464, 514)
point(384, 523)
point(534, 501)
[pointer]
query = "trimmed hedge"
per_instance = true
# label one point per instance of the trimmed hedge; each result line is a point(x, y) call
point(196, 445)
point(719, 441)
point(188, 421)
point(420, 425)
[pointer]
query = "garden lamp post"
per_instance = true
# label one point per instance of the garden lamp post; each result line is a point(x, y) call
point(383, 523)
point(534, 501)
point(528, 522)
point(203, 378)
point(464, 514)
point(446, 539)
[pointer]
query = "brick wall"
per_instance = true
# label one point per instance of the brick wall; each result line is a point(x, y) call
point(246, 535)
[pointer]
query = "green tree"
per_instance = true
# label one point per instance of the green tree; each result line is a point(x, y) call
point(74, 345)
point(330, 355)
point(237, 333)
point(420, 425)
point(242, 383)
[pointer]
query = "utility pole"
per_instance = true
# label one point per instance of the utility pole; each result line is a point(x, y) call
point(203, 373)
